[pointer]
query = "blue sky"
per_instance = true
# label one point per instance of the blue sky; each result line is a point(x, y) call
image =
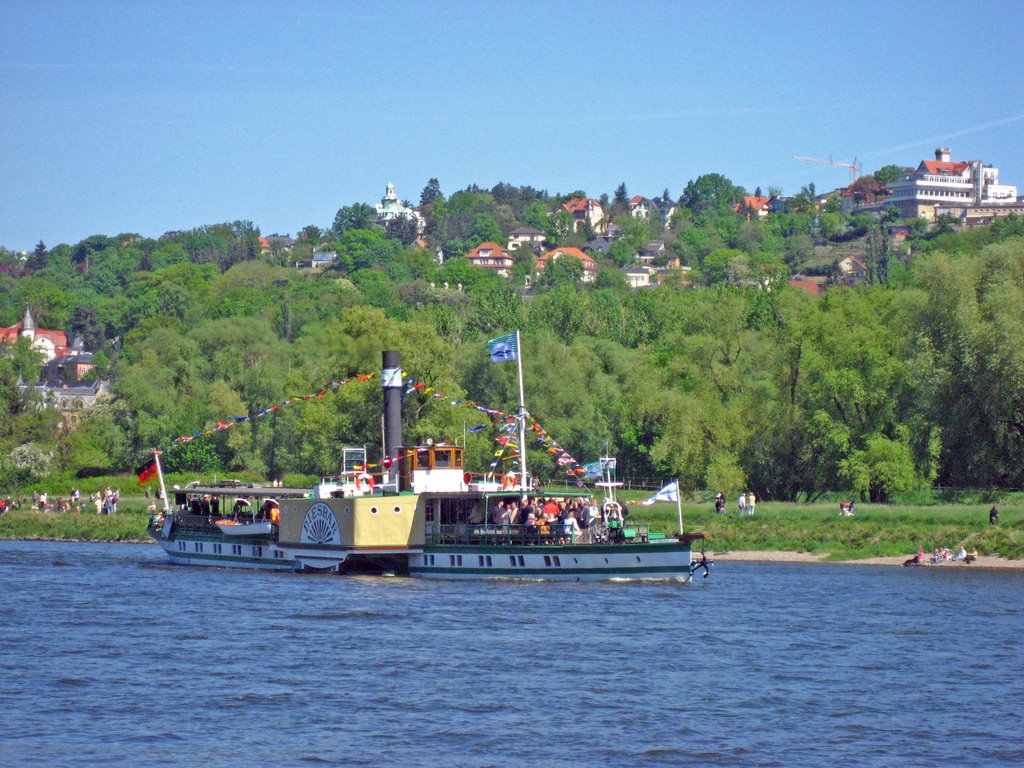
point(145, 117)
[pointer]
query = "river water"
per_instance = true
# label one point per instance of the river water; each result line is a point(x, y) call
point(109, 656)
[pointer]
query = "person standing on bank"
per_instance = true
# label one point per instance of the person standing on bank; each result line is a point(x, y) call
point(993, 515)
point(751, 502)
point(742, 509)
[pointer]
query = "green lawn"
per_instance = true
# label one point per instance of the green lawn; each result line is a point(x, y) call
point(875, 530)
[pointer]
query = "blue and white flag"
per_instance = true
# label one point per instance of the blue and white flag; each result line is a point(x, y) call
point(593, 470)
point(669, 493)
point(503, 348)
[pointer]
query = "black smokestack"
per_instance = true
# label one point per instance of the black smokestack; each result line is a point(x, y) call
point(391, 381)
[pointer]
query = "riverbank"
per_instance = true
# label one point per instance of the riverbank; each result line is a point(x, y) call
point(777, 556)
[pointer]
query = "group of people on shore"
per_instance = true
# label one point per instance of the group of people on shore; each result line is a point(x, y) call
point(942, 555)
point(105, 502)
point(746, 504)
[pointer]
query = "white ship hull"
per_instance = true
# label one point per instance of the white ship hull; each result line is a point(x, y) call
point(227, 554)
point(662, 561)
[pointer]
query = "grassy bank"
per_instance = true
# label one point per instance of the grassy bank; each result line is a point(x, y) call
point(874, 531)
point(129, 524)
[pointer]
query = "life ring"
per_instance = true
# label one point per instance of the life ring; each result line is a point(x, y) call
point(467, 478)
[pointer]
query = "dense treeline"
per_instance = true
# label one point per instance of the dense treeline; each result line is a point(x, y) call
point(730, 380)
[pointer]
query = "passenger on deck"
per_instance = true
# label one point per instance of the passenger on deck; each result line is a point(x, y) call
point(498, 514)
point(531, 528)
point(551, 510)
point(570, 528)
point(511, 513)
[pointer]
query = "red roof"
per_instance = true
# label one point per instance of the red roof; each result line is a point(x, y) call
point(938, 166)
point(496, 251)
point(755, 203)
point(490, 255)
point(588, 261)
point(579, 204)
point(637, 200)
point(810, 286)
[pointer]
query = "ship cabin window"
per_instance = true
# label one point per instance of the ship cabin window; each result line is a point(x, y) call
point(512, 560)
point(547, 561)
point(216, 549)
point(521, 564)
point(257, 551)
point(199, 546)
point(558, 563)
point(439, 458)
point(236, 549)
point(458, 559)
point(481, 561)
point(488, 561)
point(452, 559)
point(181, 546)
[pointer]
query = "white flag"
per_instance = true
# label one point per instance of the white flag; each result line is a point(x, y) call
point(503, 348)
point(669, 493)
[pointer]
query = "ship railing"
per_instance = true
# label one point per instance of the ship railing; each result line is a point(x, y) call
point(552, 534)
point(185, 524)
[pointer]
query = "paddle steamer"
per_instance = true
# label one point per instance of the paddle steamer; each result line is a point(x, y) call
point(425, 516)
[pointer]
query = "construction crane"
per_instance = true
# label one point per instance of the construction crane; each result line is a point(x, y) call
point(854, 168)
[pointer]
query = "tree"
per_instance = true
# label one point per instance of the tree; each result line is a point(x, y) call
point(887, 174)
point(883, 468)
point(725, 265)
point(404, 229)
point(357, 216)
point(799, 249)
point(621, 195)
point(431, 192)
point(711, 191)
point(37, 259)
point(485, 229)
point(565, 270)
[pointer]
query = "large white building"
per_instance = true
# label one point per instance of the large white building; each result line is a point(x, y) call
point(390, 208)
point(942, 182)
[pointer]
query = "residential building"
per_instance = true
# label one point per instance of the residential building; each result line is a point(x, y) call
point(589, 264)
point(585, 210)
point(50, 343)
point(753, 206)
point(319, 260)
point(491, 256)
point(640, 207)
point(852, 271)
point(943, 182)
point(527, 236)
point(651, 251)
point(665, 207)
point(637, 277)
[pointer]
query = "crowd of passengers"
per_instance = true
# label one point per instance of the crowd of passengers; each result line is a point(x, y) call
point(210, 507)
point(547, 519)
